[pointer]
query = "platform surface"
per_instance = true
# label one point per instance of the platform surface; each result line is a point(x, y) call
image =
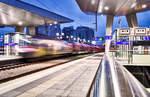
point(72, 79)
point(7, 58)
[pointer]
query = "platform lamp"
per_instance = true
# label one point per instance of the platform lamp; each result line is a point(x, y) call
point(57, 35)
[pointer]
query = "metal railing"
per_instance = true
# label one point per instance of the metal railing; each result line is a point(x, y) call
point(113, 80)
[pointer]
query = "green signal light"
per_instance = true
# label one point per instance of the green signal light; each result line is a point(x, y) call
point(100, 39)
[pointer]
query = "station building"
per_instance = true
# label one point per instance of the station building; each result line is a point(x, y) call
point(131, 44)
point(52, 31)
point(69, 33)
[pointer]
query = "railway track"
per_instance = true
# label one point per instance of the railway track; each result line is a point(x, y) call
point(27, 62)
point(12, 66)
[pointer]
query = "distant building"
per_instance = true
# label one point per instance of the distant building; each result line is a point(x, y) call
point(81, 34)
point(69, 33)
point(51, 31)
point(85, 34)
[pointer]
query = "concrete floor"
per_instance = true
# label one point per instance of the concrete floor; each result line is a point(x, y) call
point(72, 79)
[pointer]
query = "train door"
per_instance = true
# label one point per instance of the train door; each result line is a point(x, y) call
point(11, 43)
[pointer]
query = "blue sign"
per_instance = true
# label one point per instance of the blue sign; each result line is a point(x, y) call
point(146, 38)
point(123, 43)
point(108, 37)
point(6, 44)
point(1, 40)
point(11, 44)
point(96, 39)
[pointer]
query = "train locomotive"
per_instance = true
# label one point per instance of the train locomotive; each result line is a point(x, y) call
point(32, 46)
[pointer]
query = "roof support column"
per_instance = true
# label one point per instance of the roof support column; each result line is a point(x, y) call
point(19, 29)
point(132, 20)
point(32, 30)
point(108, 32)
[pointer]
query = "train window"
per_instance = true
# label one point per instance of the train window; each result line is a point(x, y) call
point(24, 43)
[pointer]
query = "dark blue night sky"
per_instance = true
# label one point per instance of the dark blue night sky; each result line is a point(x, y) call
point(69, 8)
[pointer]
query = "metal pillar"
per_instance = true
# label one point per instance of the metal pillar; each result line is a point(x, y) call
point(108, 32)
point(132, 20)
point(16, 40)
point(7, 47)
point(32, 31)
point(19, 29)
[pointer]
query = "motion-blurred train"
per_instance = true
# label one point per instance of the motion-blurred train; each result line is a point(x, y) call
point(34, 46)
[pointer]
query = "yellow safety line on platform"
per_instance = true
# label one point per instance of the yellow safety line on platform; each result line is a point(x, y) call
point(43, 87)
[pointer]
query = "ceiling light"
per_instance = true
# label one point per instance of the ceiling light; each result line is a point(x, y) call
point(144, 6)
point(133, 5)
point(106, 8)
point(94, 42)
point(55, 22)
point(93, 2)
point(20, 23)
point(100, 11)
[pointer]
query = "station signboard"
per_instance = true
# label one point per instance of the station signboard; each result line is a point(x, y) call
point(124, 32)
point(140, 31)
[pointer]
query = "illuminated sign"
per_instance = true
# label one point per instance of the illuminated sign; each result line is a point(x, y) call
point(99, 39)
point(146, 38)
point(108, 37)
point(10, 44)
point(123, 32)
point(1, 39)
point(6, 44)
point(140, 31)
point(123, 43)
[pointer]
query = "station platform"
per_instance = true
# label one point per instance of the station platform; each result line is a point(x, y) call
point(4, 59)
point(8, 58)
point(72, 79)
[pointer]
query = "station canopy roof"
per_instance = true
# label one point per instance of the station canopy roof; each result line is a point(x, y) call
point(19, 13)
point(114, 7)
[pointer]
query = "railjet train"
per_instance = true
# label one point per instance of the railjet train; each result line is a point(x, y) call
point(34, 46)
